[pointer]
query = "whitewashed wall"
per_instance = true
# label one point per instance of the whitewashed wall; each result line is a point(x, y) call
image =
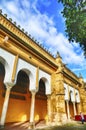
point(71, 93)
point(47, 80)
point(8, 61)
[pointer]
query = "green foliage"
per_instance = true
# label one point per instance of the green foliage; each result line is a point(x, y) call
point(75, 19)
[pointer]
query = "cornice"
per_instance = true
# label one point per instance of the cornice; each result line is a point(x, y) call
point(26, 41)
point(67, 70)
point(71, 77)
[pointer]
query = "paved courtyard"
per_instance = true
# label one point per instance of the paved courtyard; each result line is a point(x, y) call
point(41, 126)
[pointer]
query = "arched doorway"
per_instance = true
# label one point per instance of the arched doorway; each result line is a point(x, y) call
point(41, 102)
point(2, 86)
point(20, 98)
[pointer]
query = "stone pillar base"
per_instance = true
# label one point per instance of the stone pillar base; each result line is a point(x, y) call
point(2, 127)
point(31, 126)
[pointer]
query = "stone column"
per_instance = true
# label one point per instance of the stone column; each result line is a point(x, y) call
point(79, 108)
point(74, 107)
point(32, 125)
point(49, 108)
point(5, 106)
point(68, 110)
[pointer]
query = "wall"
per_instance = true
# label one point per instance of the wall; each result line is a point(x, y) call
point(18, 110)
point(41, 108)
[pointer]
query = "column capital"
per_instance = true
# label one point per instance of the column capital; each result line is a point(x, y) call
point(9, 84)
point(67, 100)
point(9, 87)
point(73, 101)
point(49, 95)
point(33, 92)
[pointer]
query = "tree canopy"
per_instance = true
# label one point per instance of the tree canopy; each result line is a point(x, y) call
point(74, 12)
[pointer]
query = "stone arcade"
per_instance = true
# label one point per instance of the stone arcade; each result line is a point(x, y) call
point(34, 85)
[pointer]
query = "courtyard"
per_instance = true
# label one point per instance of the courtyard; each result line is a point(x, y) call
point(40, 126)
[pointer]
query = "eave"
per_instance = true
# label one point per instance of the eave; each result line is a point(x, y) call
point(29, 48)
point(71, 78)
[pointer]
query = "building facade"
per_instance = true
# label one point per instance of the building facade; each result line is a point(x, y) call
point(34, 85)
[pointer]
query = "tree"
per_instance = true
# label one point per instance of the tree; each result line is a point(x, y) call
point(74, 12)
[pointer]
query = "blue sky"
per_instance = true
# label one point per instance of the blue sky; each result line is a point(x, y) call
point(43, 20)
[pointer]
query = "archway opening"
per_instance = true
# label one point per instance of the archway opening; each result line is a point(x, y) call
point(71, 105)
point(22, 83)
point(20, 99)
point(2, 86)
point(2, 74)
point(41, 102)
point(77, 103)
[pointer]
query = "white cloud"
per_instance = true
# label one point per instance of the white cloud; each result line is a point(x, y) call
point(12, 7)
point(43, 28)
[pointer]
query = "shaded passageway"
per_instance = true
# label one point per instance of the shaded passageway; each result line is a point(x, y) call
point(41, 102)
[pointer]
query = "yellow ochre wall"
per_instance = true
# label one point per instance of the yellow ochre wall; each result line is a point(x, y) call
point(18, 110)
point(1, 92)
point(40, 109)
point(1, 102)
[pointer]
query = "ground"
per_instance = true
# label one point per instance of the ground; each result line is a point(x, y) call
point(24, 126)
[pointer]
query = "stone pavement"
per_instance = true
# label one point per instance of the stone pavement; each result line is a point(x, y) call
point(22, 126)
point(16, 126)
point(40, 125)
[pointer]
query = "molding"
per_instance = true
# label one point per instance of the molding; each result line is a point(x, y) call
point(14, 68)
point(37, 78)
point(25, 40)
point(71, 78)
